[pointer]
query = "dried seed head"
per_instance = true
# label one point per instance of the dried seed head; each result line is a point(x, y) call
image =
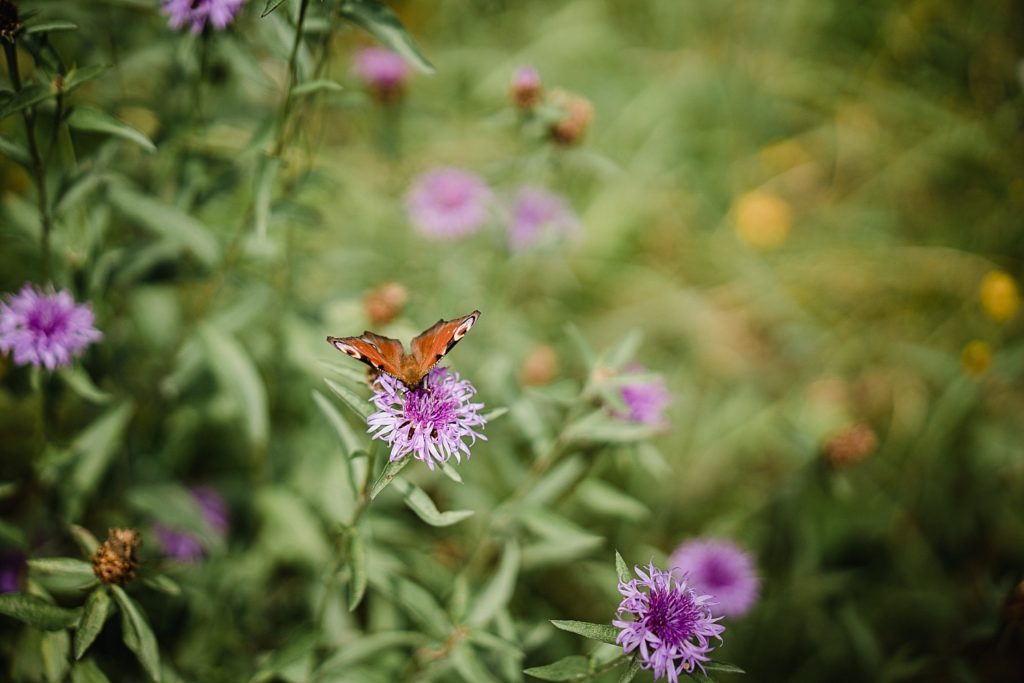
point(9, 20)
point(527, 88)
point(850, 445)
point(539, 367)
point(115, 561)
point(385, 303)
point(579, 112)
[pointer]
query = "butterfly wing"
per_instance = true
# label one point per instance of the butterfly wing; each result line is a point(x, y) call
point(383, 354)
point(431, 346)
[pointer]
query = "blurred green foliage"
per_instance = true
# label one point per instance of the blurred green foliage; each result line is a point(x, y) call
point(809, 210)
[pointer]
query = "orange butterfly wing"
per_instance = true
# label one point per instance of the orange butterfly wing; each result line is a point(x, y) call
point(383, 354)
point(388, 355)
point(432, 345)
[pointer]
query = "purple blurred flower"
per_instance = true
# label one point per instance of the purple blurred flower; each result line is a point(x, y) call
point(526, 88)
point(220, 13)
point(12, 571)
point(384, 71)
point(185, 546)
point(671, 624)
point(45, 328)
point(645, 400)
point(447, 203)
point(431, 421)
point(537, 210)
point(721, 569)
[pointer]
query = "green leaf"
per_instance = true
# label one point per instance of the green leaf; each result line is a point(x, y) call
point(55, 646)
point(94, 615)
point(569, 668)
point(350, 441)
point(495, 413)
point(367, 646)
point(630, 672)
point(237, 376)
point(23, 99)
point(606, 633)
point(622, 569)
point(603, 499)
point(416, 602)
point(420, 503)
point(266, 175)
point(96, 121)
point(77, 77)
point(359, 406)
point(318, 85)
point(62, 566)
point(357, 565)
point(469, 666)
point(137, 635)
point(87, 672)
point(378, 20)
point(162, 584)
point(450, 472)
point(724, 667)
point(499, 590)
point(37, 612)
point(598, 427)
point(87, 543)
point(56, 25)
point(167, 221)
point(271, 6)
point(78, 381)
point(92, 452)
point(15, 151)
point(391, 470)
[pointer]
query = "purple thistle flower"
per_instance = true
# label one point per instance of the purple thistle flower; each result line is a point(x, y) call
point(430, 421)
point(384, 71)
point(671, 626)
point(220, 13)
point(185, 546)
point(45, 328)
point(645, 400)
point(12, 571)
point(536, 211)
point(447, 203)
point(721, 569)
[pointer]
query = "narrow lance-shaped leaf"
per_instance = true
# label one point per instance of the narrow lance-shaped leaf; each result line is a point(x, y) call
point(499, 591)
point(420, 503)
point(167, 221)
point(630, 672)
point(24, 98)
point(391, 470)
point(606, 633)
point(378, 20)
point(271, 6)
point(35, 611)
point(621, 568)
point(61, 566)
point(570, 668)
point(469, 666)
point(94, 120)
point(94, 615)
point(137, 634)
point(359, 406)
point(357, 567)
point(237, 376)
point(93, 450)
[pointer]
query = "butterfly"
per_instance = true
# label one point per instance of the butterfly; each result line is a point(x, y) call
point(387, 355)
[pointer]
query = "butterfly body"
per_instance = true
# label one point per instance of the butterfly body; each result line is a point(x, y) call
point(387, 355)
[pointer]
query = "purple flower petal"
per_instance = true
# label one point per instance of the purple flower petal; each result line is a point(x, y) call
point(45, 329)
point(448, 203)
point(432, 421)
point(537, 211)
point(220, 13)
point(721, 569)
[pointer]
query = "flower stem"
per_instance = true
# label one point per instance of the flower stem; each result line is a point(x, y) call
point(38, 167)
point(293, 78)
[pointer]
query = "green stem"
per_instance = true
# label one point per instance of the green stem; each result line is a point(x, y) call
point(38, 168)
point(293, 78)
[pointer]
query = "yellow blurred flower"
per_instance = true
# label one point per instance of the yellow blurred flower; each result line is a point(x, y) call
point(1000, 296)
point(976, 357)
point(762, 220)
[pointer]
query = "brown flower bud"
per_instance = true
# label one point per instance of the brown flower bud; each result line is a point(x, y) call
point(115, 561)
point(10, 23)
point(578, 113)
point(526, 88)
point(385, 303)
point(539, 367)
point(850, 445)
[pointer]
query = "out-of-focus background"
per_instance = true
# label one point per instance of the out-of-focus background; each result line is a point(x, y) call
point(804, 216)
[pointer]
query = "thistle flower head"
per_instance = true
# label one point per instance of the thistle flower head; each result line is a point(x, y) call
point(645, 400)
point(537, 211)
point(219, 13)
point(185, 546)
point(115, 560)
point(526, 88)
point(721, 569)
point(447, 203)
point(578, 112)
point(383, 71)
point(671, 623)
point(432, 421)
point(45, 329)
